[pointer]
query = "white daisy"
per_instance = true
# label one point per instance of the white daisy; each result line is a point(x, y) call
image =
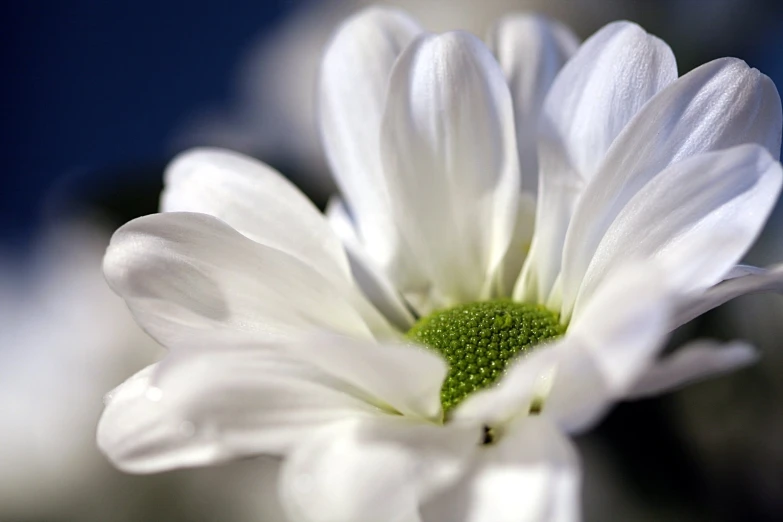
point(275, 350)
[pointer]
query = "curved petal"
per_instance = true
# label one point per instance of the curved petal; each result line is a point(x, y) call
point(716, 106)
point(531, 474)
point(770, 280)
point(531, 49)
point(743, 270)
point(375, 284)
point(255, 200)
point(449, 158)
point(612, 75)
point(404, 377)
point(609, 345)
point(693, 362)
point(211, 406)
point(377, 470)
point(187, 276)
point(721, 197)
point(352, 91)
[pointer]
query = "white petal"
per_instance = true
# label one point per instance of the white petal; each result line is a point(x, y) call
point(257, 202)
point(610, 344)
point(530, 475)
point(716, 106)
point(449, 157)
point(612, 75)
point(743, 270)
point(187, 276)
point(693, 362)
point(352, 91)
point(531, 49)
point(519, 247)
point(214, 405)
point(770, 280)
point(723, 198)
point(626, 320)
point(378, 471)
point(600, 89)
point(373, 282)
point(405, 377)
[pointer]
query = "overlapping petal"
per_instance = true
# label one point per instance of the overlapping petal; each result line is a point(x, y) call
point(212, 405)
point(612, 75)
point(190, 276)
point(719, 105)
point(759, 280)
point(729, 192)
point(372, 280)
point(449, 159)
point(255, 200)
point(615, 339)
point(352, 92)
point(379, 470)
point(531, 50)
point(529, 475)
point(404, 378)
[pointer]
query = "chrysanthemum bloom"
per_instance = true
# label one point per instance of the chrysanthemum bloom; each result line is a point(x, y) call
point(428, 374)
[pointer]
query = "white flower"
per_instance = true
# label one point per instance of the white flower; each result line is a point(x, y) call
point(275, 350)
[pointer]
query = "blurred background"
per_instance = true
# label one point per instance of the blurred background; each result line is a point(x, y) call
point(100, 96)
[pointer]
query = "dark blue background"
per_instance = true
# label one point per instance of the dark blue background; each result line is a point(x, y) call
point(88, 85)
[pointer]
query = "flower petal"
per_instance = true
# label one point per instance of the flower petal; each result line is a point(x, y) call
point(518, 249)
point(693, 362)
point(531, 49)
point(609, 345)
point(377, 470)
point(405, 377)
point(530, 475)
point(352, 91)
point(373, 282)
point(716, 106)
point(612, 75)
point(187, 276)
point(213, 405)
point(743, 270)
point(255, 200)
point(722, 197)
point(449, 157)
point(770, 280)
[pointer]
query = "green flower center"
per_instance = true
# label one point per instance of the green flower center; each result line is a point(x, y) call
point(480, 339)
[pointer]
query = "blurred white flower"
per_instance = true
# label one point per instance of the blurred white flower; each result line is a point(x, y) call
point(64, 339)
point(275, 349)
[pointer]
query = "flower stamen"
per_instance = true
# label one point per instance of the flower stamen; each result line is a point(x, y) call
point(480, 339)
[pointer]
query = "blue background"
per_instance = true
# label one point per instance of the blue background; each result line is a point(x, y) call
point(93, 85)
